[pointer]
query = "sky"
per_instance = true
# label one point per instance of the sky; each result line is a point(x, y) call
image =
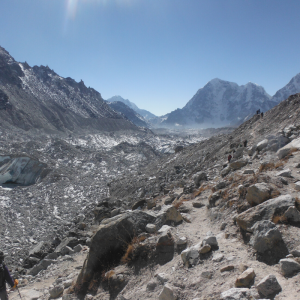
point(156, 53)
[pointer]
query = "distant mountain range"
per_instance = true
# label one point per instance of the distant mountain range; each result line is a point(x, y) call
point(36, 98)
point(220, 103)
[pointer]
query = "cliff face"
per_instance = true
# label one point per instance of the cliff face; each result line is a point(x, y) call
point(38, 98)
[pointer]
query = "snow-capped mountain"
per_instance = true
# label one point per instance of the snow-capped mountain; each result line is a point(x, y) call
point(39, 98)
point(220, 103)
point(144, 113)
point(128, 113)
point(291, 88)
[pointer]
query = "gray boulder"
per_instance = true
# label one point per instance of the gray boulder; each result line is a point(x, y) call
point(240, 294)
point(258, 193)
point(211, 241)
point(268, 286)
point(261, 145)
point(265, 236)
point(165, 248)
point(56, 291)
point(190, 256)
point(292, 215)
point(43, 265)
point(289, 267)
point(284, 151)
point(109, 242)
point(238, 164)
point(264, 211)
point(284, 173)
point(168, 214)
point(167, 293)
point(199, 177)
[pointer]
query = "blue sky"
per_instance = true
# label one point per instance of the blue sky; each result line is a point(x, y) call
point(156, 53)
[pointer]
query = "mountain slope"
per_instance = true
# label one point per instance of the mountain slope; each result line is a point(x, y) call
point(219, 103)
point(38, 98)
point(128, 112)
point(146, 114)
point(291, 88)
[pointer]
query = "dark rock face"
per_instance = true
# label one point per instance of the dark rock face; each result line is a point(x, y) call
point(110, 242)
point(41, 99)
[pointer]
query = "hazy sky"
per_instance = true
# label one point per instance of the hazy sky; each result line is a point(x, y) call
point(156, 53)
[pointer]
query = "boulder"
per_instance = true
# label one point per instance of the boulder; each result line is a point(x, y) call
point(56, 291)
point(268, 287)
point(167, 215)
point(68, 241)
point(246, 279)
point(220, 185)
point(258, 193)
point(78, 248)
point(296, 252)
point(289, 267)
point(110, 241)
point(42, 265)
point(211, 241)
point(261, 145)
point(151, 285)
point(168, 199)
point(151, 228)
point(264, 211)
point(239, 294)
point(249, 171)
point(265, 236)
point(284, 151)
point(238, 153)
point(284, 173)
point(238, 164)
point(291, 215)
point(227, 268)
point(40, 250)
point(165, 248)
point(31, 294)
point(190, 256)
point(115, 212)
point(218, 257)
point(205, 249)
point(167, 293)
point(139, 204)
point(225, 171)
point(199, 177)
point(297, 185)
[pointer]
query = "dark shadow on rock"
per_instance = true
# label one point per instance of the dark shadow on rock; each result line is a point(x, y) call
point(272, 256)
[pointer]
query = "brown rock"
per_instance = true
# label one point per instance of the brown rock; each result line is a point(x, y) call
point(246, 278)
point(227, 268)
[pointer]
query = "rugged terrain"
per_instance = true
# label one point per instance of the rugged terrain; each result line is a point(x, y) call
point(211, 249)
point(221, 102)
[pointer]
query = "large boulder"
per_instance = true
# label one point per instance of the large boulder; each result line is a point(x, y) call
point(261, 145)
point(239, 294)
point(110, 241)
point(42, 265)
point(238, 164)
point(289, 267)
point(264, 211)
point(190, 256)
point(284, 151)
point(167, 215)
point(258, 193)
point(165, 248)
point(265, 236)
point(246, 279)
point(268, 287)
point(199, 177)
